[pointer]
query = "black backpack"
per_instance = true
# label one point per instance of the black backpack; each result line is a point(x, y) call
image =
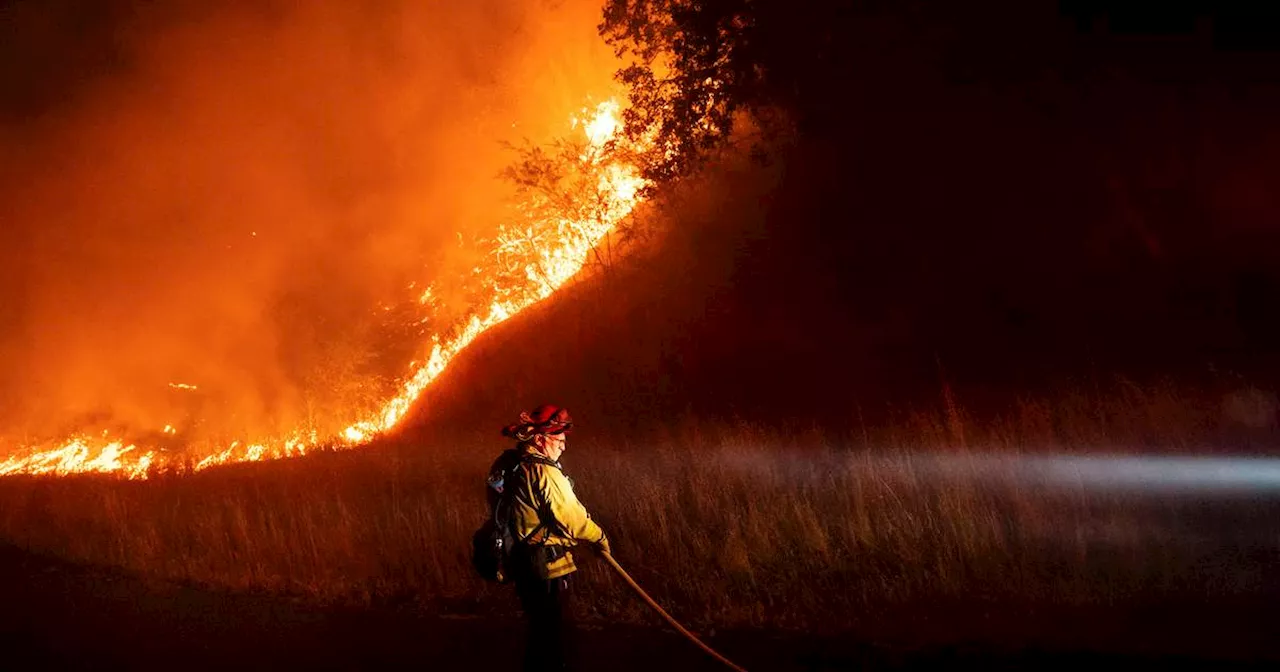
point(491, 551)
point(493, 544)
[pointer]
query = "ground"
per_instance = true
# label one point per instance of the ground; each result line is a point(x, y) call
point(63, 616)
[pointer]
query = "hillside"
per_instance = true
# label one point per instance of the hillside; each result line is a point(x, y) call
point(1012, 246)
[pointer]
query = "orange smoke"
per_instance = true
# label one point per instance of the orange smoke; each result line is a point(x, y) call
point(547, 267)
point(231, 238)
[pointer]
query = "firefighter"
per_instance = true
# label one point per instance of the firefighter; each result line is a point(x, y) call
point(547, 520)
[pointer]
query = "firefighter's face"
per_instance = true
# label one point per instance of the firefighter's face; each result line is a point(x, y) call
point(553, 445)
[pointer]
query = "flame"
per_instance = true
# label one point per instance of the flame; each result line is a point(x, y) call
point(80, 455)
point(562, 248)
point(604, 125)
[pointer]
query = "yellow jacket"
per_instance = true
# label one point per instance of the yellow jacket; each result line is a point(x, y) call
point(543, 510)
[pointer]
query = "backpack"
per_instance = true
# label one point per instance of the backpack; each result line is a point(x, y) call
point(491, 551)
point(493, 544)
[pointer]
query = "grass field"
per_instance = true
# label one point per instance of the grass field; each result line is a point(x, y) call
point(730, 524)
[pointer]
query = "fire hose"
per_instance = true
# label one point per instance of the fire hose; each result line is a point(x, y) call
point(662, 612)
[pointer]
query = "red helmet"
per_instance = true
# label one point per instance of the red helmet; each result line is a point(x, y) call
point(545, 419)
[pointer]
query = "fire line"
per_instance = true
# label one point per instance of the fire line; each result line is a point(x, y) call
point(550, 266)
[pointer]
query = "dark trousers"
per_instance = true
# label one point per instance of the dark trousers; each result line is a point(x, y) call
point(546, 610)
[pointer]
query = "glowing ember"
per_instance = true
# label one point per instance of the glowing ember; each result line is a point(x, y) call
point(562, 249)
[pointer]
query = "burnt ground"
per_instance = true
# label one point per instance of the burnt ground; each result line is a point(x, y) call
point(57, 615)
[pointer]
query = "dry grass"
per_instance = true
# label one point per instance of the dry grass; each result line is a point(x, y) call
point(729, 524)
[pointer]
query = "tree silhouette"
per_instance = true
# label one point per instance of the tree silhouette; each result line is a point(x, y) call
point(687, 75)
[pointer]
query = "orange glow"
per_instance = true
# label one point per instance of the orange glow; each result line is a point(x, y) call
point(83, 454)
point(563, 249)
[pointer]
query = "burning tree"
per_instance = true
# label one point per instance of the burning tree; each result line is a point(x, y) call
point(687, 77)
point(570, 183)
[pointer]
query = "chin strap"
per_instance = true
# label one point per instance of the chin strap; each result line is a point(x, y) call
point(661, 612)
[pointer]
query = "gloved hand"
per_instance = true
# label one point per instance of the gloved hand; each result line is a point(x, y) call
point(602, 546)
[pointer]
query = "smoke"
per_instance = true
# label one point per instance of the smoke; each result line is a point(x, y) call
point(237, 198)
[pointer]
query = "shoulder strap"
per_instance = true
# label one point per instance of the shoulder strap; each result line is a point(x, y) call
point(546, 519)
point(501, 474)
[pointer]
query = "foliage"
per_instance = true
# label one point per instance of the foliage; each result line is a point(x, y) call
point(696, 68)
point(688, 76)
point(558, 183)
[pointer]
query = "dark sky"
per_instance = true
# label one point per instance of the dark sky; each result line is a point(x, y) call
point(1066, 193)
